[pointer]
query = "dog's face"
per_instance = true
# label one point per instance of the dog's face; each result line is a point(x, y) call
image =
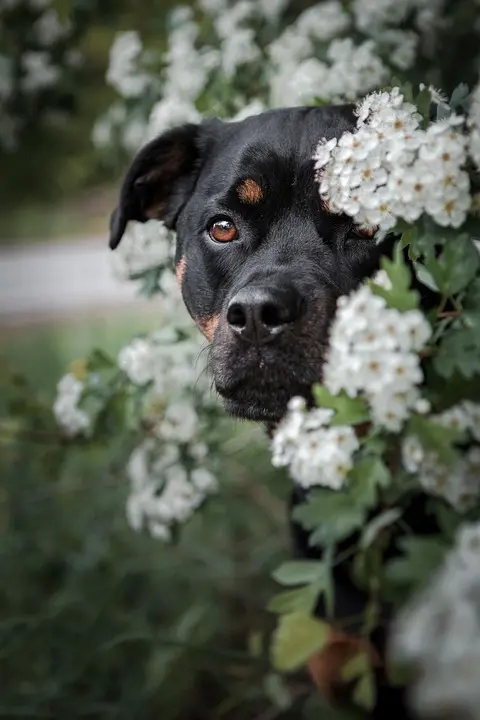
point(260, 261)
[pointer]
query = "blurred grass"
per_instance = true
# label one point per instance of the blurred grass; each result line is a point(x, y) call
point(97, 621)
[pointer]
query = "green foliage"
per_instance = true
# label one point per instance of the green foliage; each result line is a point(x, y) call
point(297, 637)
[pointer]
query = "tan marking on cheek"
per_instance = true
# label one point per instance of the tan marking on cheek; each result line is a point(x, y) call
point(208, 326)
point(250, 192)
point(180, 270)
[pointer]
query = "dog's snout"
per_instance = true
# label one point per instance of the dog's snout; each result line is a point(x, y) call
point(259, 314)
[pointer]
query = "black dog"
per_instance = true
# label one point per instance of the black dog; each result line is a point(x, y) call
point(260, 260)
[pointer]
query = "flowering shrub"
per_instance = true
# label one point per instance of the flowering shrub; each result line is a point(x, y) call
point(39, 58)
point(398, 412)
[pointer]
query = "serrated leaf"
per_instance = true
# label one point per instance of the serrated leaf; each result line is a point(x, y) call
point(455, 267)
point(366, 477)
point(300, 600)
point(424, 276)
point(348, 411)
point(400, 295)
point(330, 516)
point(299, 572)
point(435, 437)
point(295, 639)
point(459, 351)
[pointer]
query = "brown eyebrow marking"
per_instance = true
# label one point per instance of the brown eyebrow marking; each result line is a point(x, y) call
point(249, 191)
point(180, 270)
point(208, 326)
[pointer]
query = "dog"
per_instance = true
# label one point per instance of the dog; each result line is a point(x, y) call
point(261, 263)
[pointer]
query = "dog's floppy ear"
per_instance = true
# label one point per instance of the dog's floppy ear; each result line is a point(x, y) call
point(159, 180)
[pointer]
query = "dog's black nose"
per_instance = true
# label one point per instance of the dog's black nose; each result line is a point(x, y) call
point(259, 314)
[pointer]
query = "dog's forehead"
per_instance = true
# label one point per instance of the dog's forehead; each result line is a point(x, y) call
point(272, 143)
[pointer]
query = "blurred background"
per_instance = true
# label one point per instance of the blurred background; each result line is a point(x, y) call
point(97, 621)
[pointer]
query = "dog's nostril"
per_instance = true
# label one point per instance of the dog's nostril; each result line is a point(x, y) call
point(236, 316)
point(273, 315)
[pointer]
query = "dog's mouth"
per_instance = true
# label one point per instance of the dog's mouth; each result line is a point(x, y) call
point(263, 392)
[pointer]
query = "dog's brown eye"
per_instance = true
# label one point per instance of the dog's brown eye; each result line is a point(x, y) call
point(223, 231)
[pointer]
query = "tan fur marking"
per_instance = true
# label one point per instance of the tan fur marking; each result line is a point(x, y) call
point(208, 326)
point(250, 192)
point(180, 270)
point(325, 666)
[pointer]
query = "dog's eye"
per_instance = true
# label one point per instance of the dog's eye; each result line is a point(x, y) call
point(223, 230)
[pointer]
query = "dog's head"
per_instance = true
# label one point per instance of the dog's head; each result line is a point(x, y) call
point(260, 261)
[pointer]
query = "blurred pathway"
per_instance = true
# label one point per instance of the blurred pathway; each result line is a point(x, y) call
point(42, 280)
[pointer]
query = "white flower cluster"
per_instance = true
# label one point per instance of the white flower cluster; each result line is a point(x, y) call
point(374, 353)
point(438, 635)
point(123, 71)
point(315, 453)
point(69, 416)
point(390, 168)
point(350, 71)
point(374, 16)
point(144, 246)
point(474, 125)
point(163, 492)
point(170, 364)
point(460, 484)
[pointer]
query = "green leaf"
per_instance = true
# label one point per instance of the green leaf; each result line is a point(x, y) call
point(99, 360)
point(400, 295)
point(365, 693)
point(366, 477)
point(295, 639)
point(456, 266)
point(459, 351)
point(421, 557)
point(348, 411)
point(435, 437)
point(357, 666)
point(300, 600)
point(379, 523)
point(299, 572)
point(423, 102)
point(330, 515)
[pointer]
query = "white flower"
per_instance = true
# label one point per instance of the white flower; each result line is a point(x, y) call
point(39, 73)
point(69, 392)
point(255, 107)
point(474, 126)
point(144, 246)
point(238, 49)
point(170, 112)
point(162, 493)
point(315, 453)
point(227, 23)
point(390, 168)
point(180, 422)
point(49, 29)
point(472, 411)
point(136, 360)
point(204, 480)
point(373, 353)
point(323, 21)
point(123, 71)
